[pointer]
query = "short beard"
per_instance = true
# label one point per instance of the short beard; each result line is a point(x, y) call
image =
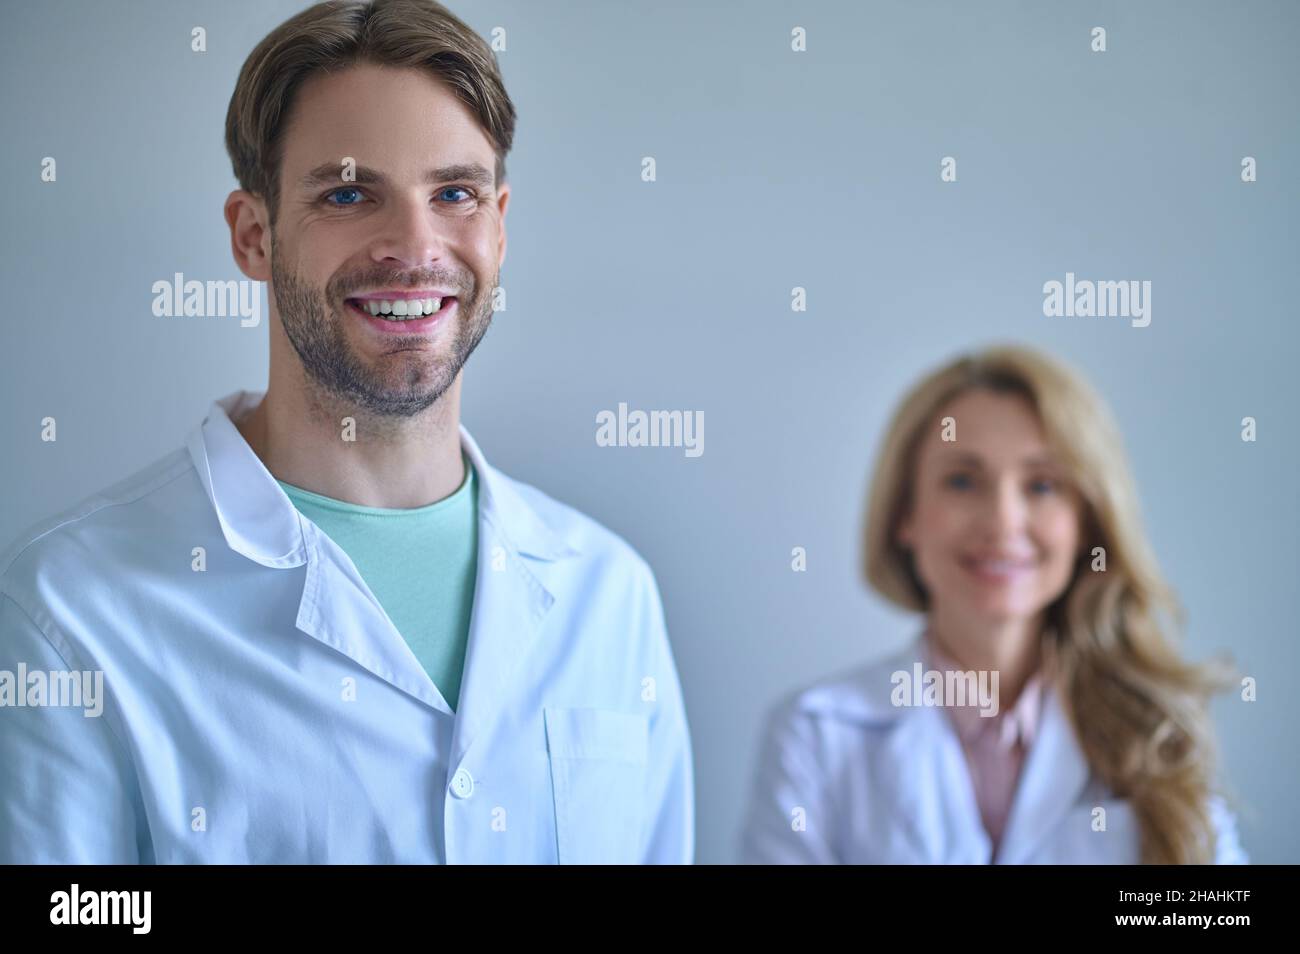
point(336, 371)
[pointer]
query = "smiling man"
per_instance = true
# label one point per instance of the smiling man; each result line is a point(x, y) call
point(329, 630)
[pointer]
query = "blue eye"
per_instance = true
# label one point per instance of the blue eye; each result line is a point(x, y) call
point(345, 190)
point(1043, 486)
point(959, 481)
point(454, 189)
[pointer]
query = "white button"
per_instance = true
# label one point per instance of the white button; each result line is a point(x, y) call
point(462, 784)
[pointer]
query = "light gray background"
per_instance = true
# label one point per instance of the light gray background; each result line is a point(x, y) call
point(775, 169)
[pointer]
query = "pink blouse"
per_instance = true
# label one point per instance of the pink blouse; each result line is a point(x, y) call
point(995, 746)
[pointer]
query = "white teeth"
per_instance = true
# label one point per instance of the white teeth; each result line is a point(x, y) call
point(403, 310)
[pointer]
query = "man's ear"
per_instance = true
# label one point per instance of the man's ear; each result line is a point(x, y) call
point(503, 197)
point(250, 234)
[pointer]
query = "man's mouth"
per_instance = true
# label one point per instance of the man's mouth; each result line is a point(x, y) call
point(403, 312)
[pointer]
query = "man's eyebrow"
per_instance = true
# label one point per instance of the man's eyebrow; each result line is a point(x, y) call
point(331, 173)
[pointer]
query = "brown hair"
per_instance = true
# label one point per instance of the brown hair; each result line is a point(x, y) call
point(1138, 710)
point(337, 34)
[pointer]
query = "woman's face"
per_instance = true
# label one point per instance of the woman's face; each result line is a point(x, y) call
point(994, 526)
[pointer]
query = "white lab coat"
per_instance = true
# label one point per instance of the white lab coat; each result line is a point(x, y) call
point(261, 706)
point(844, 776)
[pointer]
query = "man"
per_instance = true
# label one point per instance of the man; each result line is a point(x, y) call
point(329, 630)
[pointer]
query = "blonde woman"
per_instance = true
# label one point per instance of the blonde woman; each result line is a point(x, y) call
point(1044, 714)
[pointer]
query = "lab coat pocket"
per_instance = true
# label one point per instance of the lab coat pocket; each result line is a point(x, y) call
point(598, 779)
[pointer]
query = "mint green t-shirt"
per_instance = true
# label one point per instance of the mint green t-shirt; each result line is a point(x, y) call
point(420, 563)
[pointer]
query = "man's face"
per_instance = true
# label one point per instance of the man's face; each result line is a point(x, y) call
point(421, 220)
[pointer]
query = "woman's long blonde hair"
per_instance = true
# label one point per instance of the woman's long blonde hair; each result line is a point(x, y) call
point(1139, 711)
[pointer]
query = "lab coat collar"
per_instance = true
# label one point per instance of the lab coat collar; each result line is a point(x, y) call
point(257, 518)
point(1017, 724)
point(1052, 780)
point(928, 757)
point(260, 522)
point(863, 694)
point(338, 609)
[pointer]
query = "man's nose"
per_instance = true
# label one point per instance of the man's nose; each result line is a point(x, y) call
point(410, 235)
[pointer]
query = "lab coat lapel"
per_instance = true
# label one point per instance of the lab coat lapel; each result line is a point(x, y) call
point(921, 797)
point(926, 802)
point(258, 520)
point(932, 790)
point(338, 609)
point(336, 606)
point(510, 600)
point(1054, 776)
point(509, 606)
